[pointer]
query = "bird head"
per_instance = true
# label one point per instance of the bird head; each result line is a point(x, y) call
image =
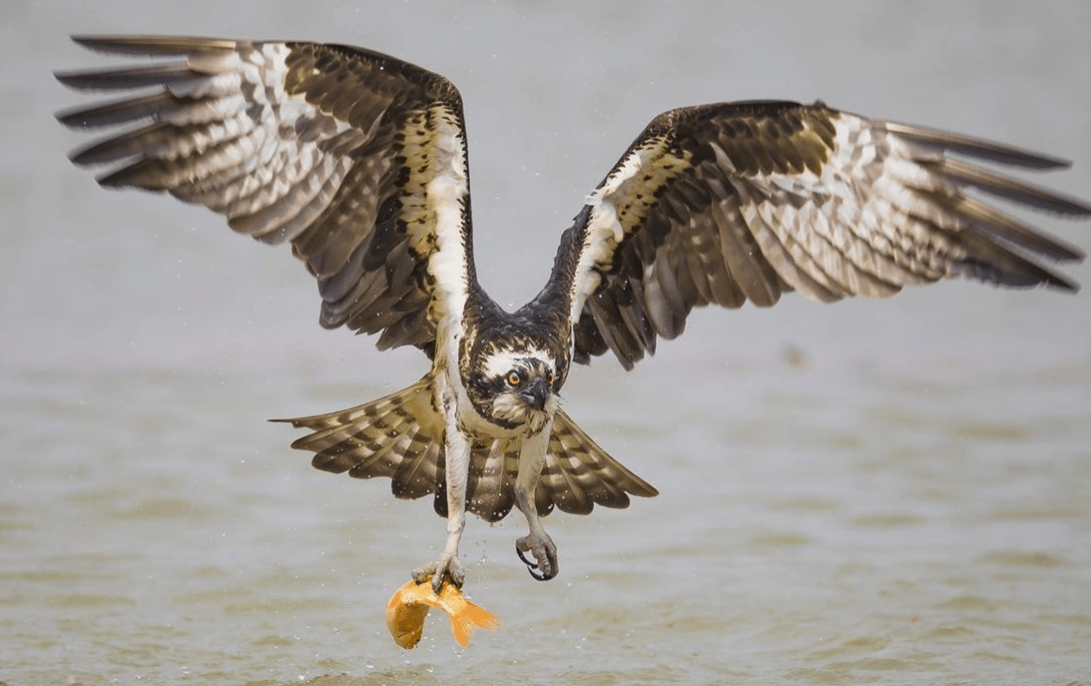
point(516, 388)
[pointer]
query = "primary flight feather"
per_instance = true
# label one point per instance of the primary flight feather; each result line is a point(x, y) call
point(359, 160)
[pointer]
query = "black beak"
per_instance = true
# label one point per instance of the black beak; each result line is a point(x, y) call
point(536, 393)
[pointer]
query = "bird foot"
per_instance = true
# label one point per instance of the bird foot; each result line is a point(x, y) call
point(446, 567)
point(541, 547)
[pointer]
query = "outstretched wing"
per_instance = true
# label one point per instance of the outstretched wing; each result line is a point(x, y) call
point(738, 202)
point(356, 158)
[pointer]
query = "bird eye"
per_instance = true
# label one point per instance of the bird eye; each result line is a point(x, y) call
point(514, 378)
point(552, 377)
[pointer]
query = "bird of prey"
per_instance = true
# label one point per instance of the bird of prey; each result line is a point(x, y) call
point(359, 160)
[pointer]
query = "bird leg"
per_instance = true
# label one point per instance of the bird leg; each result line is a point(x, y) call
point(447, 566)
point(457, 459)
point(537, 542)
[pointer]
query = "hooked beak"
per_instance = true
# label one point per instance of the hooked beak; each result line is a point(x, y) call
point(536, 394)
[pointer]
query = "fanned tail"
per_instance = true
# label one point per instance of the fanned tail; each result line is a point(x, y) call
point(579, 474)
point(399, 436)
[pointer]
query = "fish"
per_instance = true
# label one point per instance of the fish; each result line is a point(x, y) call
point(409, 606)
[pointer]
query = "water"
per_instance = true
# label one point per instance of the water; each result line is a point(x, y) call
point(874, 493)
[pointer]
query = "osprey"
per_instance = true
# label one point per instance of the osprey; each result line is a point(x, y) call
point(359, 160)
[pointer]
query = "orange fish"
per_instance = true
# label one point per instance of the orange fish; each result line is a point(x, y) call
point(409, 605)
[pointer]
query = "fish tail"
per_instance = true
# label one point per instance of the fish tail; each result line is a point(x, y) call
point(469, 618)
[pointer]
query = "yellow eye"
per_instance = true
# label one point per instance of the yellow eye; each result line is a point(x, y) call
point(514, 378)
point(552, 377)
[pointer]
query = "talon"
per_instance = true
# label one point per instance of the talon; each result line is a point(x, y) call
point(457, 578)
point(441, 569)
point(424, 572)
point(538, 576)
point(543, 550)
point(528, 563)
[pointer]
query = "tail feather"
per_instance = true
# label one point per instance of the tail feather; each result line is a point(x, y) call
point(493, 468)
point(579, 474)
point(416, 476)
point(398, 436)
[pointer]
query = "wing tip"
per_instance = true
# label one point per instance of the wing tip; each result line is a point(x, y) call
point(1060, 282)
point(1000, 153)
point(150, 45)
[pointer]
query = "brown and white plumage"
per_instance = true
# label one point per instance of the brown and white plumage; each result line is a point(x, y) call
point(736, 202)
point(359, 161)
point(268, 135)
point(400, 437)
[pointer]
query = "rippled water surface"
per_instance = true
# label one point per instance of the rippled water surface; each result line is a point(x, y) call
point(868, 493)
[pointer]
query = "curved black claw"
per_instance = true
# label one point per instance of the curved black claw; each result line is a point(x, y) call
point(531, 566)
point(538, 576)
point(528, 563)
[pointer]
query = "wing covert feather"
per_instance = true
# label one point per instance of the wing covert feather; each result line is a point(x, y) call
point(355, 158)
point(735, 202)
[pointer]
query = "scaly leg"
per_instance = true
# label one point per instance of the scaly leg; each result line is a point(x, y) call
point(537, 542)
point(457, 458)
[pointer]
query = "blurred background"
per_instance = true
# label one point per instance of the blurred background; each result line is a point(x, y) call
point(867, 492)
